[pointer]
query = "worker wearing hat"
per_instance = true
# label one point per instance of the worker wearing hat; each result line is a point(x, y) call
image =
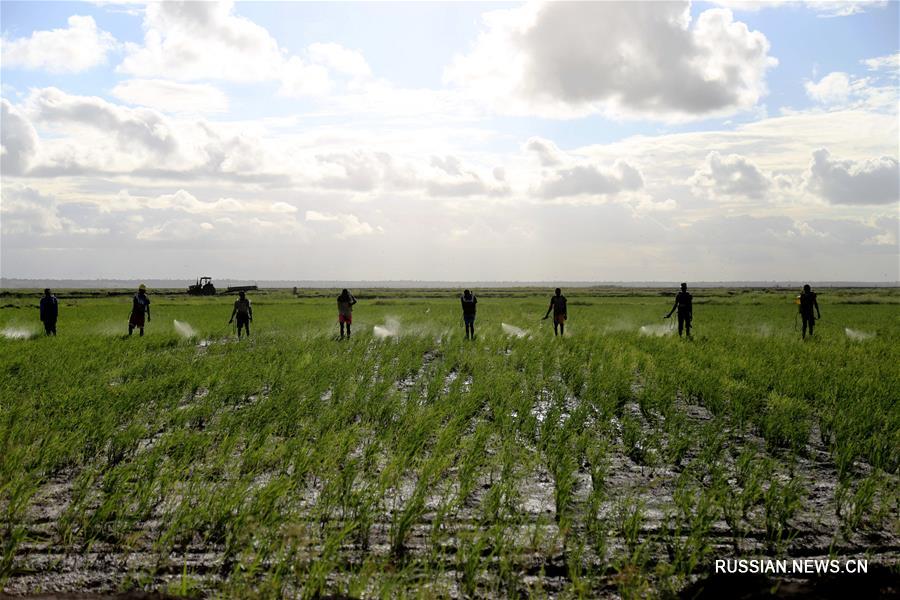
point(140, 305)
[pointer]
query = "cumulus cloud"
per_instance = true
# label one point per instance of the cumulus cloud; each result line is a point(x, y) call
point(843, 8)
point(172, 96)
point(824, 8)
point(77, 48)
point(187, 229)
point(546, 151)
point(357, 171)
point(565, 59)
point(591, 180)
point(89, 135)
point(838, 89)
point(451, 178)
point(299, 78)
point(18, 141)
point(201, 40)
point(889, 62)
point(834, 87)
point(26, 211)
point(189, 41)
point(873, 181)
point(350, 223)
point(731, 175)
point(144, 127)
point(339, 59)
point(184, 201)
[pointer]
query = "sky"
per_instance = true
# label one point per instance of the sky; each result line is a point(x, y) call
point(568, 141)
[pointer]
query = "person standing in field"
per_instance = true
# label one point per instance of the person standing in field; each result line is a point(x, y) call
point(684, 305)
point(469, 301)
point(807, 304)
point(140, 306)
point(244, 313)
point(49, 312)
point(558, 306)
point(345, 304)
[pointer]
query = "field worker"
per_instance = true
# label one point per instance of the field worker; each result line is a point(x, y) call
point(244, 313)
point(49, 312)
point(684, 304)
point(469, 301)
point(807, 304)
point(140, 304)
point(558, 306)
point(345, 304)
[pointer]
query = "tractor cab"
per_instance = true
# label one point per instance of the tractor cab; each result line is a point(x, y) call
point(203, 287)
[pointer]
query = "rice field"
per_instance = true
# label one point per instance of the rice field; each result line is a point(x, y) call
point(617, 461)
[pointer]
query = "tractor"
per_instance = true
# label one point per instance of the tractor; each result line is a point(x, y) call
point(203, 287)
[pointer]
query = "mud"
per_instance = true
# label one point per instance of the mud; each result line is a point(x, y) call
point(636, 475)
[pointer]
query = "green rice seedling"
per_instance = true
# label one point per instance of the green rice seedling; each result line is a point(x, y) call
point(786, 423)
point(629, 521)
point(597, 458)
point(471, 547)
point(858, 508)
point(633, 440)
point(781, 501)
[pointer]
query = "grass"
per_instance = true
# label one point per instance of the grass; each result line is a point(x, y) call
point(425, 465)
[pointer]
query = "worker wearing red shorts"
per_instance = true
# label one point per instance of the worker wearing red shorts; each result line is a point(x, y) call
point(558, 306)
point(345, 304)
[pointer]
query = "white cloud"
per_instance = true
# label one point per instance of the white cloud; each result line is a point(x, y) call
point(824, 8)
point(358, 171)
point(843, 8)
point(224, 229)
point(570, 59)
point(26, 211)
point(172, 96)
point(546, 151)
point(144, 127)
point(18, 141)
point(877, 92)
point(89, 135)
point(202, 40)
point(732, 175)
point(833, 88)
point(340, 59)
point(350, 223)
point(184, 201)
point(451, 178)
point(889, 62)
point(889, 228)
point(873, 181)
point(589, 179)
point(299, 78)
point(189, 41)
point(79, 47)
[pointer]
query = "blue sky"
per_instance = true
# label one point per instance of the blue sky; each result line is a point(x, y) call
point(479, 131)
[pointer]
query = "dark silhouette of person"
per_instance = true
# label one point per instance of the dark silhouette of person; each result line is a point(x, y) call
point(558, 306)
point(345, 304)
point(807, 304)
point(469, 302)
point(140, 305)
point(244, 313)
point(684, 304)
point(49, 312)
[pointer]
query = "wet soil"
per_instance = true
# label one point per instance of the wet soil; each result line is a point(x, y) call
point(44, 568)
